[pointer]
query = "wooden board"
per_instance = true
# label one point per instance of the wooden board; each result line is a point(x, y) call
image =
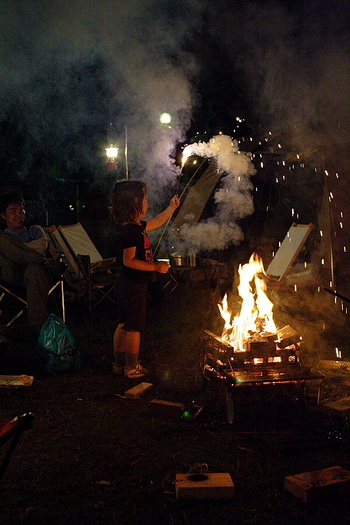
point(311, 486)
point(138, 390)
point(340, 408)
point(204, 486)
point(20, 380)
point(159, 407)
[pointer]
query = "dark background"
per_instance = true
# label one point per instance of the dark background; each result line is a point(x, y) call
point(79, 76)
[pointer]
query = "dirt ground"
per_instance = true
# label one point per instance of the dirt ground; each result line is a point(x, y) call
point(94, 457)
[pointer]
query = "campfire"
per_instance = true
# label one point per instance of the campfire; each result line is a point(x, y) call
point(251, 340)
point(255, 323)
point(252, 354)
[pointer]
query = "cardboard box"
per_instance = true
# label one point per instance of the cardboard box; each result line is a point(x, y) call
point(311, 486)
point(204, 486)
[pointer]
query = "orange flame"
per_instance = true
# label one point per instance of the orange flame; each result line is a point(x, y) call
point(256, 308)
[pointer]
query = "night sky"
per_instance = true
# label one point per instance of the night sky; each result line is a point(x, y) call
point(75, 75)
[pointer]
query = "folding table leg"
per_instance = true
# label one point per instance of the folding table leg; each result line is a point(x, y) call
point(172, 281)
point(229, 406)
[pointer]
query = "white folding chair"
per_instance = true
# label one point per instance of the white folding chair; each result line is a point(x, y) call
point(289, 250)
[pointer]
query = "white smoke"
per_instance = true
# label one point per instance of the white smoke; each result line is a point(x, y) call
point(73, 67)
point(233, 199)
point(293, 58)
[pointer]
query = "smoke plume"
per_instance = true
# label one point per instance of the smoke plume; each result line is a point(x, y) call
point(233, 199)
point(72, 69)
point(293, 58)
point(75, 69)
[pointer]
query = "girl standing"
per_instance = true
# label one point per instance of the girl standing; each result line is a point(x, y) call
point(129, 207)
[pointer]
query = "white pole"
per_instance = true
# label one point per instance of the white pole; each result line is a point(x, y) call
point(126, 154)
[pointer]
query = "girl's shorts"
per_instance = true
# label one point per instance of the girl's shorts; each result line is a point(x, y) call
point(132, 303)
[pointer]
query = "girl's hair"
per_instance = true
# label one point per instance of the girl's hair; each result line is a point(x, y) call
point(127, 199)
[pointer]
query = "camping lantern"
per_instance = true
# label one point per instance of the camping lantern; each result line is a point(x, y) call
point(112, 154)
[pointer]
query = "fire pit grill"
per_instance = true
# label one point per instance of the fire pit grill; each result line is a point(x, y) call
point(269, 359)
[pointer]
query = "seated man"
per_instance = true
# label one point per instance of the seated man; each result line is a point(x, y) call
point(22, 259)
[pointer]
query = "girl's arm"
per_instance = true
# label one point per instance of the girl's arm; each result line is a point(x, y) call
point(160, 219)
point(131, 261)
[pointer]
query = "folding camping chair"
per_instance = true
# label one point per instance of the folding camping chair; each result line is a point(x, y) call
point(13, 430)
point(24, 305)
point(288, 251)
point(15, 292)
point(96, 285)
point(94, 275)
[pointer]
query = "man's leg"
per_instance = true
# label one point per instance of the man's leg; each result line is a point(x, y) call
point(22, 266)
point(12, 249)
point(37, 283)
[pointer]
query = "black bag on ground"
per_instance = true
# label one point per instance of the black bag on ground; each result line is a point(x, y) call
point(57, 350)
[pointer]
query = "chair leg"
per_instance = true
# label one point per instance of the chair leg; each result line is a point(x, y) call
point(103, 295)
point(16, 317)
point(23, 301)
point(63, 306)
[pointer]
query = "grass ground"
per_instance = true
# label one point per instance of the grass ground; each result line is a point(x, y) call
point(94, 457)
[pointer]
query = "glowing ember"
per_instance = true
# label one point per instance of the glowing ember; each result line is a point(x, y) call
point(255, 319)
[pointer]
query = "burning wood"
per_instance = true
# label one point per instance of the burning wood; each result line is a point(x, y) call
point(255, 320)
point(251, 339)
point(252, 354)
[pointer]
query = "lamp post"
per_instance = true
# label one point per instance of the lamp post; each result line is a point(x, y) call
point(126, 154)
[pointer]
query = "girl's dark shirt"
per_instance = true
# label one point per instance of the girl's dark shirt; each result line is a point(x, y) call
point(135, 235)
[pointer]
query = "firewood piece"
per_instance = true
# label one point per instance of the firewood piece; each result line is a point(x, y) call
point(341, 407)
point(159, 407)
point(287, 336)
point(260, 348)
point(311, 486)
